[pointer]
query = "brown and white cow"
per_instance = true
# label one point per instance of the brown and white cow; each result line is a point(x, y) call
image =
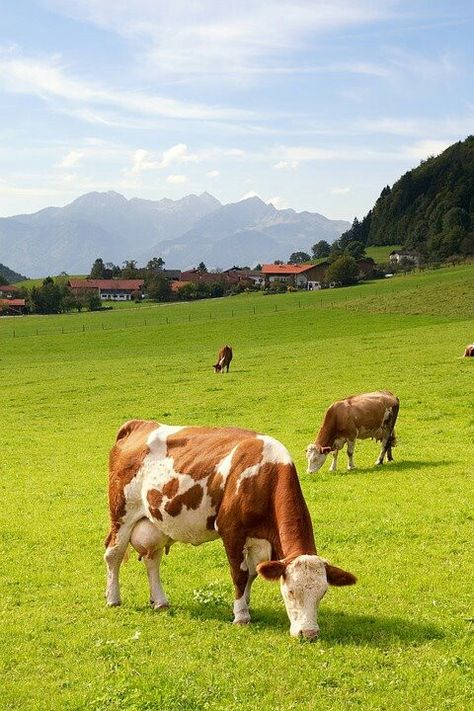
point(224, 358)
point(370, 415)
point(469, 352)
point(195, 484)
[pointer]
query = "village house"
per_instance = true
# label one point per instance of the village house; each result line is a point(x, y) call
point(246, 275)
point(403, 256)
point(8, 291)
point(12, 307)
point(109, 289)
point(303, 276)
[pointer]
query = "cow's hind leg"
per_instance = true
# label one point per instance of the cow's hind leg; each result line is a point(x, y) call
point(389, 439)
point(115, 546)
point(350, 454)
point(149, 542)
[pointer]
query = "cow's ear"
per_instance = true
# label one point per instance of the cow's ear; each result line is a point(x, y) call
point(337, 576)
point(325, 450)
point(271, 569)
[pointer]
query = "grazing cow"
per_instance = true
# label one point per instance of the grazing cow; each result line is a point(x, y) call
point(196, 484)
point(357, 417)
point(224, 358)
point(469, 351)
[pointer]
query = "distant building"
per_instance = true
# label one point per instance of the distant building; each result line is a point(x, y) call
point(109, 289)
point(246, 275)
point(12, 307)
point(399, 256)
point(303, 276)
point(196, 276)
point(8, 291)
point(366, 267)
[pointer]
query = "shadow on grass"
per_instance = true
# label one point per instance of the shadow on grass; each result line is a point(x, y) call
point(336, 627)
point(406, 465)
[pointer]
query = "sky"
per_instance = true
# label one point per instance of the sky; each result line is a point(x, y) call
point(314, 105)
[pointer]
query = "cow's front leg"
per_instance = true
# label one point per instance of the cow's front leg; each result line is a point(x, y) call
point(149, 542)
point(333, 466)
point(350, 455)
point(234, 547)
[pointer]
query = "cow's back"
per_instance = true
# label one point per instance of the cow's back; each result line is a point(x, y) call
point(364, 415)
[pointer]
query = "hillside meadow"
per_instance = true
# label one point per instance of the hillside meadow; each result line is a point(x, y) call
point(400, 639)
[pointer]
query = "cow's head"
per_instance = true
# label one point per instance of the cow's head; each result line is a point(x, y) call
point(217, 368)
point(303, 583)
point(316, 456)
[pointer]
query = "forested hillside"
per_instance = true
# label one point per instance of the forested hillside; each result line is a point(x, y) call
point(8, 276)
point(430, 209)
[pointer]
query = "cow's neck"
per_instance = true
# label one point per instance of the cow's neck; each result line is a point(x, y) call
point(327, 433)
point(292, 522)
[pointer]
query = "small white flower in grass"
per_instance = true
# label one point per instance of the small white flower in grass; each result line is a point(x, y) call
point(136, 635)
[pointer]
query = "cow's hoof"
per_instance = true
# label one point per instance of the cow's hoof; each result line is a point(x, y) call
point(160, 606)
point(114, 603)
point(241, 622)
point(378, 464)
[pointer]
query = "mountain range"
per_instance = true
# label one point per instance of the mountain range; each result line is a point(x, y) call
point(183, 232)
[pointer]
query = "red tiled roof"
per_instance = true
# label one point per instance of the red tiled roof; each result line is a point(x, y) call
point(8, 287)
point(120, 284)
point(177, 285)
point(286, 268)
point(12, 302)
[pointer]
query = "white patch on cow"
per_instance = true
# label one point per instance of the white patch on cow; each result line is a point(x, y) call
point(157, 440)
point(223, 468)
point(303, 587)
point(247, 473)
point(256, 550)
point(274, 452)
point(241, 611)
point(190, 525)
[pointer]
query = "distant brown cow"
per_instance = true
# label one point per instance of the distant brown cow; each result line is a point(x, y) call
point(223, 359)
point(469, 351)
point(370, 415)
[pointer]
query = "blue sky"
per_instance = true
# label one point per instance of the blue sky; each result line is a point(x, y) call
point(309, 104)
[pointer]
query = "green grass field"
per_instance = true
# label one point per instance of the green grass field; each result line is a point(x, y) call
point(400, 639)
point(380, 254)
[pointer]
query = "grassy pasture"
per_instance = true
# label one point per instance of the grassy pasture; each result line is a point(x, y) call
point(400, 639)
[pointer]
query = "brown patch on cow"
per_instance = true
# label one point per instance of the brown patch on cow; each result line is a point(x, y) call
point(197, 451)
point(190, 498)
point(126, 458)
point(155, 498)
point(171, 487)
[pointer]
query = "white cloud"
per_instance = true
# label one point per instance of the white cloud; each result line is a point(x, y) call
point(340, 191)
point(70, 159)
point(213, 38)
point(423, 149)
point(47, 80)
point(286, 165)
point(141, 161)
point(176, 179)
point(278, 202)
point(177, 154)
point(250, 194)
point(213, 174)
